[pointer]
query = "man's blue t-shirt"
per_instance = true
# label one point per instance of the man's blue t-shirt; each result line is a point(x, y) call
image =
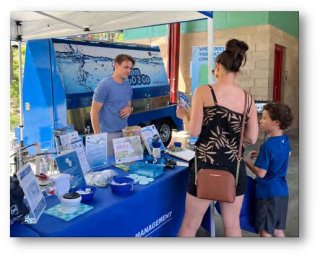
point(114, 97)
point(273, 157)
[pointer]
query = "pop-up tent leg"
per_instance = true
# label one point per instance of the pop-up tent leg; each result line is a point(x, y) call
point(210, 81)
point(19, 39)
point(210, 49)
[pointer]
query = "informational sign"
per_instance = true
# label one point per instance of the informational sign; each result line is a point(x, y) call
point(150, 134)
point(33, 194)
point(127, 149)
point(77, 146)
point(97, 150)
point(68, 163)
point(72, 141)
point(67, 137)
point(199, 65)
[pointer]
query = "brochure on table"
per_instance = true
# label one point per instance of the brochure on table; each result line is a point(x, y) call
point(127, 149)
point(67, 137)
point(77, 146)
point(33, 194)
point(97, 150)
point(68, 163)
point(150, 134)
point(62, 132)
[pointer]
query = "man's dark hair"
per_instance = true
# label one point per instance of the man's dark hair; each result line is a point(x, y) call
point(280, 112)
point(124, 57)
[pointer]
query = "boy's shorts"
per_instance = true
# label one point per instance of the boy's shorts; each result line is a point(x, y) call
point(271, 214)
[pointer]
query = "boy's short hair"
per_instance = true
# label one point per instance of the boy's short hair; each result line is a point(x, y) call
point(280, 112)
point(124, 57)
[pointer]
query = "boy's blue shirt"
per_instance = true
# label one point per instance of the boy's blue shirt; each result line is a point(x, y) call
point(274, 158)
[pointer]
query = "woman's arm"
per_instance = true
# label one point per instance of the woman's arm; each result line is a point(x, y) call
point(196, 115)
point(252, 128)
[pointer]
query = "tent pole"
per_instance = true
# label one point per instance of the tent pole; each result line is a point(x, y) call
point(19, 39)
point(210, 81)
point(210, 49)
point(20, 93)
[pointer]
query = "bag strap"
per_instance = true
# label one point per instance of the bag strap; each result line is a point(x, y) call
point(213, 95)
point(244, 116)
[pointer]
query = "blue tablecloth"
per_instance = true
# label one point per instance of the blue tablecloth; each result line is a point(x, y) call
point(154, 210)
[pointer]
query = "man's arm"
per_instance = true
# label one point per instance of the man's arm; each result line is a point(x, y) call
point(126, 111)
point(95, 116)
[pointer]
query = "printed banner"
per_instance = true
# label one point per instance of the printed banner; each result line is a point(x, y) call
point(199, 65)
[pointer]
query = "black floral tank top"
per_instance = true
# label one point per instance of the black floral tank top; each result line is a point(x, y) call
point(219, 139)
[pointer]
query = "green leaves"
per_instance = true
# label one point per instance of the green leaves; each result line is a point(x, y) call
point(14, 87)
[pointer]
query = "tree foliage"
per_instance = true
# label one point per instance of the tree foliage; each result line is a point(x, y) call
point(14, 87)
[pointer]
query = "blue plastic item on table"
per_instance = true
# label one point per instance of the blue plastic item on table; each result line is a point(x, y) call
point(156, 150)
point(177, 144)
point(146, 169)
point(156, 144)
point(86, 197)
point(162, 161)
point(122, 185)
point(149, 158)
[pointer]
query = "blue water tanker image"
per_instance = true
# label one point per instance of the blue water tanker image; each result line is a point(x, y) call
point(60, 77)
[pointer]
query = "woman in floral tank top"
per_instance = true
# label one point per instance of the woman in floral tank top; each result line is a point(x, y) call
point(215, 118)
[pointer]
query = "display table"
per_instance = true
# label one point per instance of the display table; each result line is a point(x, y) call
point(154, 210)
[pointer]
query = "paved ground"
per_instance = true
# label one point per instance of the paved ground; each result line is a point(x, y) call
point(293, 182)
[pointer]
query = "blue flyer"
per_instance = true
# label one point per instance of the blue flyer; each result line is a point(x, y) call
point(68, 163)
point(183, 101)
point(150, 134)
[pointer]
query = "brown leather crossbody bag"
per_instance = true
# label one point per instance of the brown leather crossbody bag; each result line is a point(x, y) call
point(220, 185)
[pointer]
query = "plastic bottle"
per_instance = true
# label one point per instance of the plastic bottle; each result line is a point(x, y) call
point(44, 166)
point(156, 150)
point(177, 146)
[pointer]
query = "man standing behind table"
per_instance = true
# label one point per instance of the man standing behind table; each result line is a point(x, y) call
point(111, 104)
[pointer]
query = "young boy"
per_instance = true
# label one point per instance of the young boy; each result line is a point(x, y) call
point(271, 193)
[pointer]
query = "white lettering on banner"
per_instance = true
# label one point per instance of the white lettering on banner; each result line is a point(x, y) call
point(158, 223)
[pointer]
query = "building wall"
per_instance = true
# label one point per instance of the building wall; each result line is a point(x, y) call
point(287, 21)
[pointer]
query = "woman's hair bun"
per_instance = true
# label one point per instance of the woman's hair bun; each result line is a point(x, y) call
point(234, 56)
point(236, 47)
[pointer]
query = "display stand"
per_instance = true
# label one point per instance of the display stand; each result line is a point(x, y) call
point(33, 195)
